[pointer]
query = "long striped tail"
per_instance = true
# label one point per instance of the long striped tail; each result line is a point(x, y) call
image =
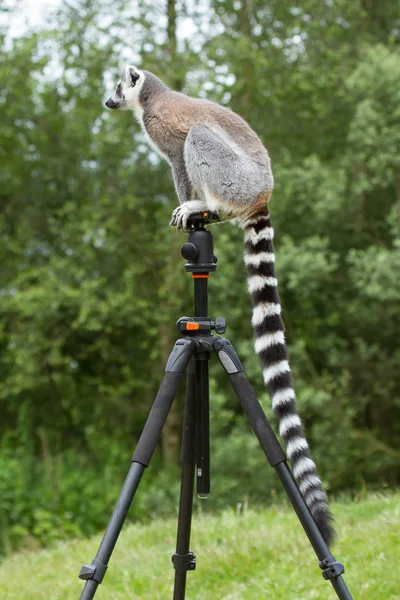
point(271, 348)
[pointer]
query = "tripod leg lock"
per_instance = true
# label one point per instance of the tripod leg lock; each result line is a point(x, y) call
point(184, 562)
point(331, 568)
point(95, 571)
point(227, 355)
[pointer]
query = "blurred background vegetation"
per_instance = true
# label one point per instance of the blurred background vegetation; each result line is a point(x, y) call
point(92, 280)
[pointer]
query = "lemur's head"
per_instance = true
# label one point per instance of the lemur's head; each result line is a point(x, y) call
point(126, 95)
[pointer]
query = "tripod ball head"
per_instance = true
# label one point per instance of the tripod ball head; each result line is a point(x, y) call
point(199, 251)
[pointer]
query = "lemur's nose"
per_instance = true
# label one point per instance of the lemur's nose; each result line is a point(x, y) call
point(111, 104)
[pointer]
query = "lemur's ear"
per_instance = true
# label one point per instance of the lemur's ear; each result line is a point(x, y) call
point(131, 75)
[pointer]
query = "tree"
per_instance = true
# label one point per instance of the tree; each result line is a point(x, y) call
point(89, 287)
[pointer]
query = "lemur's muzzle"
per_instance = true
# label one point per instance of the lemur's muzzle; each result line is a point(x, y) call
point(111, 104)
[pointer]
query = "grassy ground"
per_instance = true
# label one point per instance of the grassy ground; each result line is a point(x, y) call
point(259, 555)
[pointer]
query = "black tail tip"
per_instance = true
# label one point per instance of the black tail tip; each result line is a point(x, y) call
point(324, 521)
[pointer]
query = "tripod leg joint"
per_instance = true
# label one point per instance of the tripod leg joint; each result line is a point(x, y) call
point(184, 562)
point(227, 355)
point(96, 570)
point(180, 355)
point(331, 569)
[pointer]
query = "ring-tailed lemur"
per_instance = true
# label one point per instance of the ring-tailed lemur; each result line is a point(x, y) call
point(216, 157)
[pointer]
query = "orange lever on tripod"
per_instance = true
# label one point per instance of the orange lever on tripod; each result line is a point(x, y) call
point(192, 326)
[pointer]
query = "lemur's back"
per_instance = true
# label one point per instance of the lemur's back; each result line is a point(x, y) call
point(173, 115)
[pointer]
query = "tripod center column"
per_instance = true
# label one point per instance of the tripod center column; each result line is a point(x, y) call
point(200, 294)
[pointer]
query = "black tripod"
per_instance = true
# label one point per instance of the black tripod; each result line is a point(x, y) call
point(192, 353)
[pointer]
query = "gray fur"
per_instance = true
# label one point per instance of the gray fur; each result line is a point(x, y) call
point(182, 179)
point(215, 162)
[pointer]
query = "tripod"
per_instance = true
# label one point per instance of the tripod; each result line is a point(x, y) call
point(192, 353)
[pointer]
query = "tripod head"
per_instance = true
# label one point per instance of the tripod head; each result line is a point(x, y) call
point(199, 250)
point(203, 218)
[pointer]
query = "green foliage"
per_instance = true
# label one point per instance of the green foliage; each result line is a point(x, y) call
point(92, 280)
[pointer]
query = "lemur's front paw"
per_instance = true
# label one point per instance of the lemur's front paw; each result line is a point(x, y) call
point(181, 214)
point(180, 217)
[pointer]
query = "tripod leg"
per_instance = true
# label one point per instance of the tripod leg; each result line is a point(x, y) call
point(176, 365)
point(94, 573)
point(183, 559)
point(332, 570)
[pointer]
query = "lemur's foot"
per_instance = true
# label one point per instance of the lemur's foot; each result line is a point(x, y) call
point(182, 213)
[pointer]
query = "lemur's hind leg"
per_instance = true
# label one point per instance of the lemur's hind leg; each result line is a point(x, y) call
point(224, 174)
point(228, 180)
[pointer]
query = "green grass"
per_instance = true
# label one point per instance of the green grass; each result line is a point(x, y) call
point(260, 555)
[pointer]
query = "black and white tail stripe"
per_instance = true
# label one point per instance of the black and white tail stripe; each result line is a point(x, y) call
point(271, 348)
